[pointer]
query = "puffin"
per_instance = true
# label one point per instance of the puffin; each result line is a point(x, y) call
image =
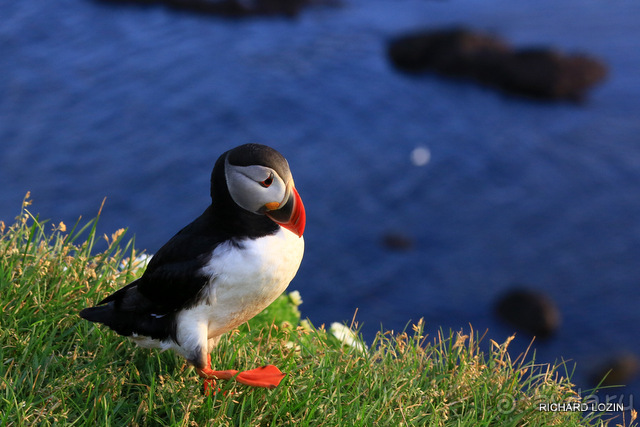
point(219, 271)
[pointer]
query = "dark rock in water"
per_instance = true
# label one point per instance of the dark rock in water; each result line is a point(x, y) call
point(540, 72)
point(232, 8)
point(397, 241)
point(544, 73)
point(529, 311)
point(619, 370)
point(452, 51)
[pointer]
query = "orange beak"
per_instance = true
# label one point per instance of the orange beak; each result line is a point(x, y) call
point(290, 214)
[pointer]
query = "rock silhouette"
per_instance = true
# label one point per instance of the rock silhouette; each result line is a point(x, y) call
point(535, 72)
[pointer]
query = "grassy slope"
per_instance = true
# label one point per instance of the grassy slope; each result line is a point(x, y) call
point(58, 369)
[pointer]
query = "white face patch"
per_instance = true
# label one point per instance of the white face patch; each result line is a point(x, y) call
point(252, 187)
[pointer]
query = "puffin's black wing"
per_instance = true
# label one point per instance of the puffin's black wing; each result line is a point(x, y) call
point(174, 279)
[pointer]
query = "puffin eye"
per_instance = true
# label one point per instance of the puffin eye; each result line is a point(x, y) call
point(267, 182)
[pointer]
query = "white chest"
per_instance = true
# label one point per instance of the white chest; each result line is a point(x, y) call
point(246, 278)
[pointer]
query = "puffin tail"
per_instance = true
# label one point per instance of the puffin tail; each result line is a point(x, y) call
point(100, 314)
point(107, 311)
point(135, 318)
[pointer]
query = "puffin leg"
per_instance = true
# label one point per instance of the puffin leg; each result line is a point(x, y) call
point(267, 376)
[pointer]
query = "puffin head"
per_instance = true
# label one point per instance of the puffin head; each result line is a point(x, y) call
point(259, 181)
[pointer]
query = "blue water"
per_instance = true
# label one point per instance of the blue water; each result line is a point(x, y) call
point(136, 104)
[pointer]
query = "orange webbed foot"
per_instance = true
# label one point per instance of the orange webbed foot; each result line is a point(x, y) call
point(267, 376)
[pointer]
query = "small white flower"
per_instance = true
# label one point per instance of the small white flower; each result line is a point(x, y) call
point(141, 261)
point(292, 346)
point(306, 325)
point(295, 297)
point(347, 336)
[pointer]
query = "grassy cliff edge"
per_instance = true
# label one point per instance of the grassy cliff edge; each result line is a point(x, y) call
point(60, 370)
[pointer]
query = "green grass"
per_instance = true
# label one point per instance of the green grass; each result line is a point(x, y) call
point(57, 369)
